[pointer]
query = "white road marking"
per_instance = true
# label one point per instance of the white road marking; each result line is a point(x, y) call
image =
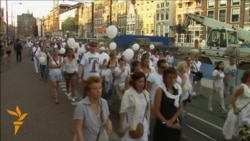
point(62, 86)
point(64, 89)
point(62, 83)
point(198, 131)
point(203, 120)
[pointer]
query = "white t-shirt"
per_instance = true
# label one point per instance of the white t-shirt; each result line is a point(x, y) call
point(186, 88)
point(91, 63)
point(156, 79)
point(219, 78)
point(122, 77)
point(230, 72)
point(81, 50)
point(36, 51)
point(196, 66)
point(69, 67)
point(170, 59)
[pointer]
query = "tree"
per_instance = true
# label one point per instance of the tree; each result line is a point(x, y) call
point(70, 24)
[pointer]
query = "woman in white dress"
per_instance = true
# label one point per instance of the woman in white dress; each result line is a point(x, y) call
point(135, 109)
point(240, 102)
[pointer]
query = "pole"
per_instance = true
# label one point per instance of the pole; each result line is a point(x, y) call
point(126, 16)
point(110, 12)
point(7, 23)
point(92, 18)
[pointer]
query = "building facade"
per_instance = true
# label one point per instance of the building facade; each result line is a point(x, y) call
point(99, 21)
point(162, 19)
point(193, 32)
point(51, 21)
point(247, 15)
point(131, 19)
point(85, 21)
point(40, 27)
point(229, 11)
point(145, 13)
point(26, 25)
point(2, 23)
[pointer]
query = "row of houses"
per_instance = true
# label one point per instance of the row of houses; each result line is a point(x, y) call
point(144, 17)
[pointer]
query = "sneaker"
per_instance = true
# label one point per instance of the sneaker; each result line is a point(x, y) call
point(69, 96)
point(74, 99)
point(67, 93)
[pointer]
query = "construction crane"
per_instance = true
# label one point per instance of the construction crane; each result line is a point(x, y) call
point(223, 39)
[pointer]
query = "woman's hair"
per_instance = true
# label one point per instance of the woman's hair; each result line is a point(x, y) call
point(134, 64)
point(217, 65)
point(245, 76)
point(90, 81)
point(71, 49)
point(135, 77)
point(181, 65)
point(144, 57)
point(170, 70)
point(120, 59)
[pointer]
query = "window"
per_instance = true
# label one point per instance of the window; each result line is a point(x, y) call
point(211, 3)
point(180, 5)
point(197, 33)
point(210, 14)
point(222, 15)
point(235, 2)
point(157, 16)
point(222, 2)
point(162, 16)
point(235, 15)
point(166, 16)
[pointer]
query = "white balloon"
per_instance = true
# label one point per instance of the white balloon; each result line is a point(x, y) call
point(111, 31)
point(63, 44)
point(136, 46)
point(62, 51)
point(112, 46)
point(152, 46)
point(71, 42)
point(77, 45)
point(41, 59)
point(128, 54)
point(104, 56)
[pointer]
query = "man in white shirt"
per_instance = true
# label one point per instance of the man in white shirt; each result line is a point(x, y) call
point(35, 53)
point(89, 64)
point(154, 79)
point(230, 76)
point(29, 46)
point(81, 50)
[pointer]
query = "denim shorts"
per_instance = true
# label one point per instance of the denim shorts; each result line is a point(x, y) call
point(56, 78)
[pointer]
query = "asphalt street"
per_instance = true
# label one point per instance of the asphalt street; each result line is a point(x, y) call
point(49, 122)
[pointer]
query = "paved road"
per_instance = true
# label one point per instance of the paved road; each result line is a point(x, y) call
point(49, 122)
point(45, 121)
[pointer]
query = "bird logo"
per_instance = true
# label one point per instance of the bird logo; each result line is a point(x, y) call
point(17, 124)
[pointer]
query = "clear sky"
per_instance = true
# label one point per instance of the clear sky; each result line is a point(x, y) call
point(39, 8)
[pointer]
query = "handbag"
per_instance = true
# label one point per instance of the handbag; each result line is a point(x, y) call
point(102, 134)
point(139, 131)
point(244, 133)
point(198, 74)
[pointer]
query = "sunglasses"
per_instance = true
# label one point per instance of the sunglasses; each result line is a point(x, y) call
point(163, 67)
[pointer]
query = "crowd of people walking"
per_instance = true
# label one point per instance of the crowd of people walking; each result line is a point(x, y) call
point(152, 90)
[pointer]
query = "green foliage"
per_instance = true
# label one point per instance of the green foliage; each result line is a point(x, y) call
point(70, 24)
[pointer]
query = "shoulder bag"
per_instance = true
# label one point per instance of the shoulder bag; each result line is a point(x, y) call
point(34, 54)
point(198, 74)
